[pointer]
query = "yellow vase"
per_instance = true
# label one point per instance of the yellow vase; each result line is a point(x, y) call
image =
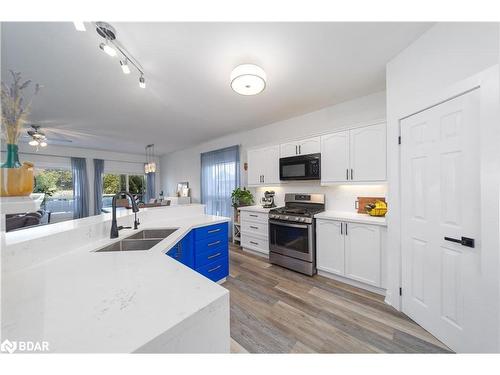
point(15, 182)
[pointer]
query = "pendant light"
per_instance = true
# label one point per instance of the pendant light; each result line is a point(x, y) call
point(150, 165)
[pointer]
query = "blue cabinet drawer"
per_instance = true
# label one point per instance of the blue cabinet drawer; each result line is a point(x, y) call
point(215, 271)
point(208, 244)
point(213, 254)
point(210, 231)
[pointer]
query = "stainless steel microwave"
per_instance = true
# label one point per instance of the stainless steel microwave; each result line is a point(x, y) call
point(301, 167)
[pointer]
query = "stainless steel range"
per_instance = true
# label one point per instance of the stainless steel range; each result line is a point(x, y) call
point(292, 232)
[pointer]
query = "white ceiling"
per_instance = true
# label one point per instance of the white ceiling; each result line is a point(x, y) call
point(87, 99)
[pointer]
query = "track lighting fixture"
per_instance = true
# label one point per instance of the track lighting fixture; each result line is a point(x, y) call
point(142, 82)
point(113, 47)
point(124, 65)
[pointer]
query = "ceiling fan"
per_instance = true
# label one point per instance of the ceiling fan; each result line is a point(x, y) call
point(38, 138)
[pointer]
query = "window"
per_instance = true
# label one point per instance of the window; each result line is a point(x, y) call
point(57, 185)
point(220, 175)
point(115, 182)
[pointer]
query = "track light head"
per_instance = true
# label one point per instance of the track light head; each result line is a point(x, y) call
point(142, 82)
point(125, 67)
point(108, 49)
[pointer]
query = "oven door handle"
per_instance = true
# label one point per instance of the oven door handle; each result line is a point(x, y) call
point(301, 226)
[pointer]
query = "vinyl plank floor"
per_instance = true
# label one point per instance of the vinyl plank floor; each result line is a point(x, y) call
point(275, 310)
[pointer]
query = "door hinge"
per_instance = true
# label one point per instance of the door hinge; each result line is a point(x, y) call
point(400, 291)
point(399, 140)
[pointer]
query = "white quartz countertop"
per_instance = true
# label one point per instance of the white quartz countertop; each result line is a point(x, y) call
point(256, 208)
point(353, 217)
point(87, 301)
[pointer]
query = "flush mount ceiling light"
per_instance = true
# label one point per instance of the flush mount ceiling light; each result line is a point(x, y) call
point(113, 47)
point(248, 79)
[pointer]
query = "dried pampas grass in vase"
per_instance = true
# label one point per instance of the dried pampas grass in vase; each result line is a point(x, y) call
point(16, 179)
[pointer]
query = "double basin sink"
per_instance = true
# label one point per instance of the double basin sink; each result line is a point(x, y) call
point(142, 240)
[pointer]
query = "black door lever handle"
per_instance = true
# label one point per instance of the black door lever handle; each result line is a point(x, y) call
point(464, 241)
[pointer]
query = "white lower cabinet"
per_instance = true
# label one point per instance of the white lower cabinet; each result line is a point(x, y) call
point(330, 246)
point(362, 253)
point(254, 230)
point(351, 250)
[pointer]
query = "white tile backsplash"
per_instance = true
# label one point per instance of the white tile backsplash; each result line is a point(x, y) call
point(338, 197)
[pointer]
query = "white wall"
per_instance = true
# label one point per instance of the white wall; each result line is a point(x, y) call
point(184, 165)
point(444, 55)
point(59, 156)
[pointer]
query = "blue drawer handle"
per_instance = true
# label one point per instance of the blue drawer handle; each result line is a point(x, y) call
point(215, 268)
point(214, 243)
point(214, 256)
point(214, 230)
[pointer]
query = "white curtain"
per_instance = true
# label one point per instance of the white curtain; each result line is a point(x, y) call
point(220, 175)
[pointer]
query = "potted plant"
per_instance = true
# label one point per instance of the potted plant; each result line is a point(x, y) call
point(241, 197)
point(16, 179)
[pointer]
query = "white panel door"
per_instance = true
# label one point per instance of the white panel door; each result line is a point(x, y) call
point(335, 157)
point(310, 146)
point(368, 153)
point(362, 253)
point(256, 167)
point(271, 162)
point(330, 246)
point(289, 149)
point(440, 198)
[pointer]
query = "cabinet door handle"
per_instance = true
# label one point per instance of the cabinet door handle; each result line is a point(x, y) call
point(215, 268)
point(214, 256)
point(251, 226)
point(253, 215)
point(254, 243)
point(300, 150)
point(263, 178)
point(296, 150)
point(352, 174)
point(345, 229)
point(214, 243)
point(347, 174)
point(341, 228)
point(214, 230)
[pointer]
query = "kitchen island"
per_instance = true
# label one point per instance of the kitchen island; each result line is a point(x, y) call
point(56, 288)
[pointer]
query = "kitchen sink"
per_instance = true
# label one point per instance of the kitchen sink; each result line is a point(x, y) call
point(142, 240)
point(152, 233)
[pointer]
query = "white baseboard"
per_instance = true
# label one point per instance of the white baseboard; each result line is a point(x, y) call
point(355, 283)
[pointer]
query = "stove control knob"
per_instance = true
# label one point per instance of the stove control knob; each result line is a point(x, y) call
point(286, 218)
point(302, 219)
point(297, 218)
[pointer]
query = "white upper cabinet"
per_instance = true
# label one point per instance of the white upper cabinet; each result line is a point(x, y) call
point(289, 149)
point(263, 166)
point(368, 153)
point(355, 155)
point(300, 147)
point(310, 146)
point(335, 157)
point(255, 167)
point(272, 165)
